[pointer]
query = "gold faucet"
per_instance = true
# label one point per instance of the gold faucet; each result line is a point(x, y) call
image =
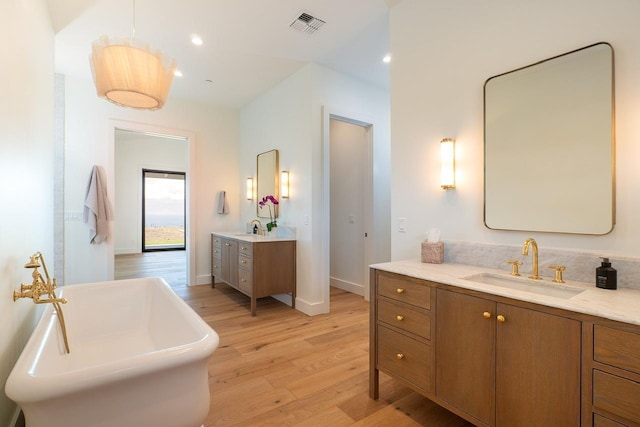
point(41, 287)
point(525, 251)
point(260, 230)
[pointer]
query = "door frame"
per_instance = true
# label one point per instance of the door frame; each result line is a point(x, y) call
point(331, 113)
point(190, 193)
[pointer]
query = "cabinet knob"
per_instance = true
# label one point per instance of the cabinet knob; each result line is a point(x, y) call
point(243, 262)
point(501, 318)
point(400, 291)
point(227, 244)
point(242, 248)
point(399, 356)
point(486, 315)
point(399, 317)
point(243, 280)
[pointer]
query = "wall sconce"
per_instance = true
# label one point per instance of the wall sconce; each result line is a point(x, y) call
point(448, 163)
point(249, 188)
point(284, 184)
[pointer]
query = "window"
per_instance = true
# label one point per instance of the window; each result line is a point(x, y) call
point(163, 210)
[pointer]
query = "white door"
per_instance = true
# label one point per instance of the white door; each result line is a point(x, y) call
point(350, 205)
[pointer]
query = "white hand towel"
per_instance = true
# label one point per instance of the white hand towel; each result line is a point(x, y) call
point(223, 205)
point(97, 209)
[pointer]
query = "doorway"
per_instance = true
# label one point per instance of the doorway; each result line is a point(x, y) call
point(163, 210)
point(350, 204)
point(138, 149)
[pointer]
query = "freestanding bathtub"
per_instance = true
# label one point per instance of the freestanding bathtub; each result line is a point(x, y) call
point(138, 358)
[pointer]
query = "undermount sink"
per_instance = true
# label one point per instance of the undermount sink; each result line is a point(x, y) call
point(556, 290)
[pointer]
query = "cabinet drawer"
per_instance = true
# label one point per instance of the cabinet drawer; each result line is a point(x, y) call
point(246, 249)
point(216, 242)
point(617, 348)
point(405, 357)
point(404, 290)
point(404, 316)
point(245, 262)
point(600, 421)
point(616, 395)
point(216, 266)
point(245, 281)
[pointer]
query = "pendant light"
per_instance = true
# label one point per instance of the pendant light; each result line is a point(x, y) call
point(127, 72)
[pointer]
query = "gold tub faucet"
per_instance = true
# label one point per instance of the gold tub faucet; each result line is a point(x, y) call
point(525, 251)
point(42, 290)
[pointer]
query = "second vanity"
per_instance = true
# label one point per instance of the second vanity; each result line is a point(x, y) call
point(258, 266)
point(501, 355)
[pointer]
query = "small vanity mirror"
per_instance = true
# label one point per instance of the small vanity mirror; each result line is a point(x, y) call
point(267, 182)
point(549, 147)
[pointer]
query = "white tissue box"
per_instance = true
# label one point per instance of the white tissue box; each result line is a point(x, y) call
point(433, 253)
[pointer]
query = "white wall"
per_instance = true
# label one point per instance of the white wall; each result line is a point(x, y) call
point(26, 161)
point(289, 118)
point(134, 152)
point(443, 52)
point(215, 169)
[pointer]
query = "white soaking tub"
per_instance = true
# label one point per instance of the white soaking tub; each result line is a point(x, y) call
point(138, 357)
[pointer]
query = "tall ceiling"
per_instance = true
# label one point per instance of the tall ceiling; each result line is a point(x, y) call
point(248, 47)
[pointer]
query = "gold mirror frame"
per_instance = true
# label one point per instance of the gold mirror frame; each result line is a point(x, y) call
point(267, 182)
point(549, 145)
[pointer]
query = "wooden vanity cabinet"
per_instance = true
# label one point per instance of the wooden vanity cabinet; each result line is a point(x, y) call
point(507, 365)
point(224, 260)
point(465, 354)
point(520, 369)
point(257, 269)
point(401, 332)
point(614, 368)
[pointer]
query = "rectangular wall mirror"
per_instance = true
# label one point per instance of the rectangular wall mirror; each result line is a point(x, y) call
point(549, 145)
point(267, 182)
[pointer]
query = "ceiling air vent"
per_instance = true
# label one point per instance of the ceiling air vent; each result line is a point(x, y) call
point(307, 23)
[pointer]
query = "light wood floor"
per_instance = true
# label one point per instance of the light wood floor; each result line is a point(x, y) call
point(283, 368)
point(170, 265)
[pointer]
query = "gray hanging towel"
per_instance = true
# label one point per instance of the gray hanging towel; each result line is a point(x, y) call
point(223, 205)
point(97, 209)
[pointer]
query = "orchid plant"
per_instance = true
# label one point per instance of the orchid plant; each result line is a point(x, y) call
point(265, 202)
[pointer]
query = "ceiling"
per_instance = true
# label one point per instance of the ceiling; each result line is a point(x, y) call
point(248, 44)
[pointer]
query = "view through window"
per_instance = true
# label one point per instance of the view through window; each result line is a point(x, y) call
point(163, 210)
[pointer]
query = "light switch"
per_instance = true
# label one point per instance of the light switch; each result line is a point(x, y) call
point(352, 219)
point(402, 225)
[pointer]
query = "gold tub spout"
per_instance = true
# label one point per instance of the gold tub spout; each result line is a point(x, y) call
point(42, 290)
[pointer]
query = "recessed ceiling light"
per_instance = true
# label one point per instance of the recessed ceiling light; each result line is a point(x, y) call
point(386, 59)
point(177, 73)
point(196, 40)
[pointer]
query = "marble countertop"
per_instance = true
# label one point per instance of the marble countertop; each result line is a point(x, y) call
point(253, 238)
point(621, 305)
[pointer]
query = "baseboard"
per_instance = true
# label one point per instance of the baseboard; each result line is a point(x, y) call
point(354, 288)
point(283, 298)
point(312, 309)
point(126, 251)
point(204, 279)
